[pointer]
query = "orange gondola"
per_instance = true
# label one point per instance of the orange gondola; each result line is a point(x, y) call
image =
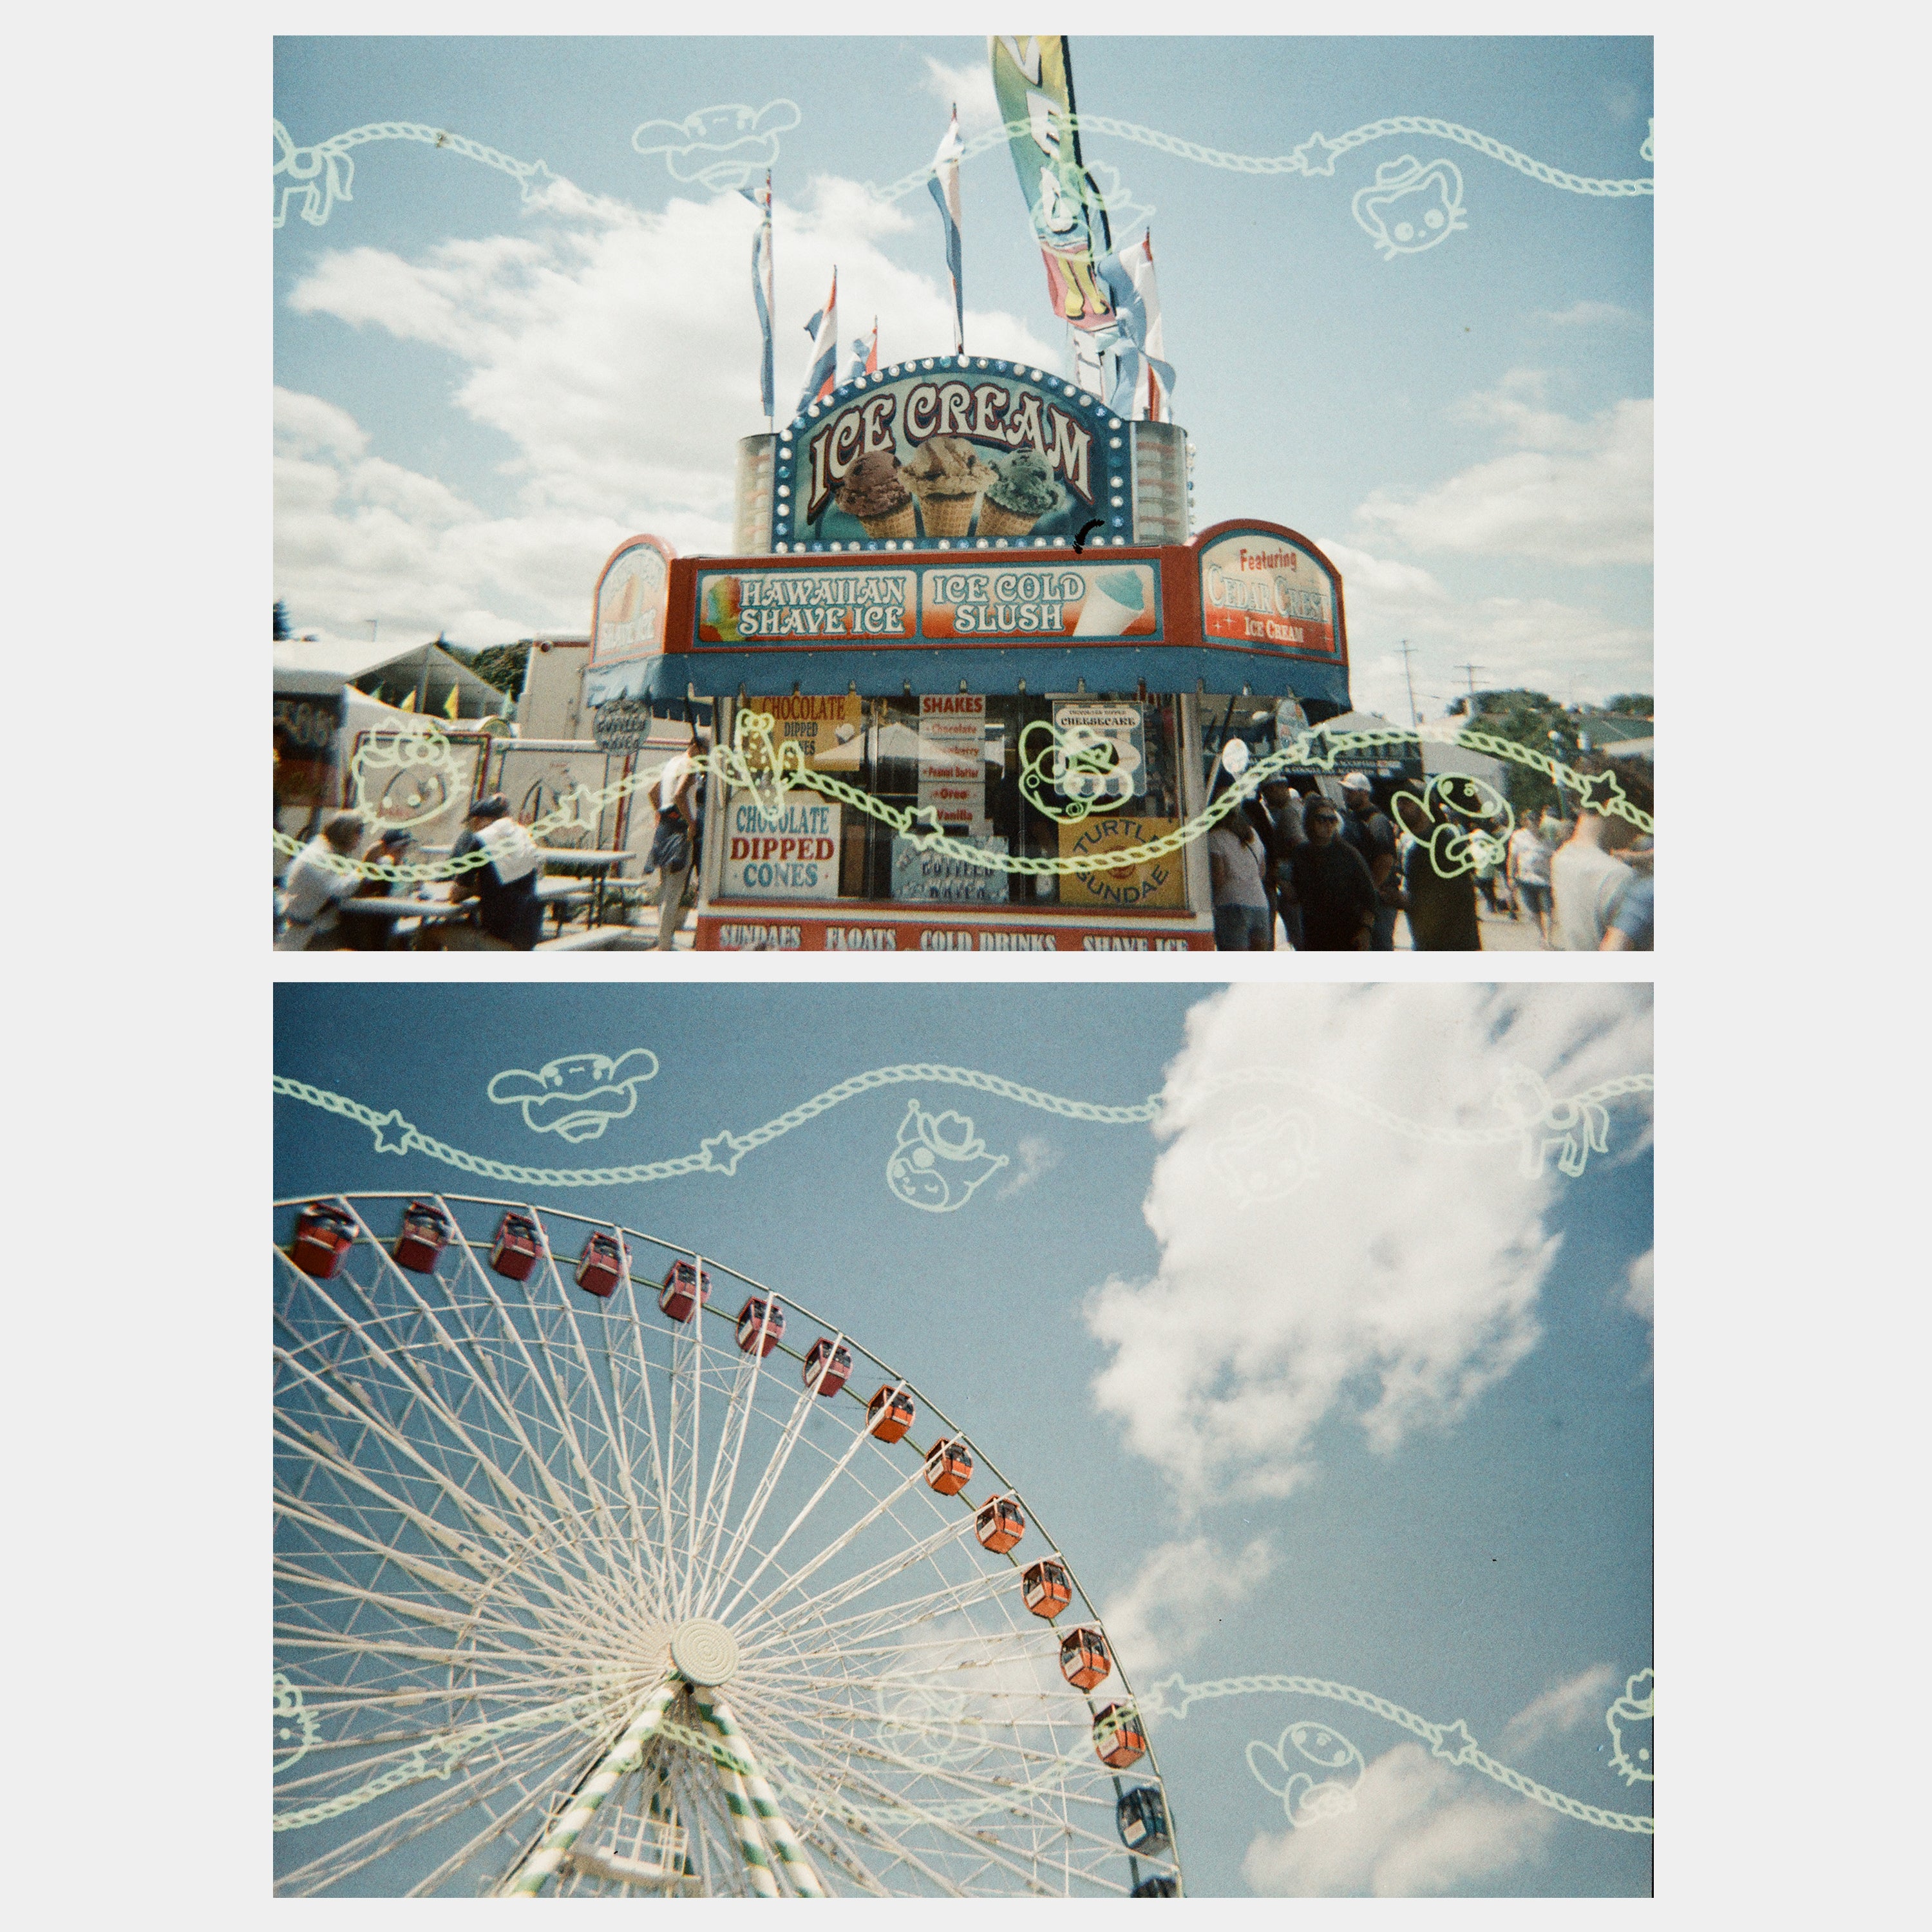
point(1046, 1587)
point(999, 1525)
point(949, 1467)
point(890, 1413)
point(323, 1235)
point(425, 1236)
point(602, 1264)
point(1084, 1658)
point(840, 1359)
point(517, 1245)
point(1118, 1739)
point(760, 1324)
point(686, 1286)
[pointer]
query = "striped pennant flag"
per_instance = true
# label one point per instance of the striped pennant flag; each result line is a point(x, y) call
point(944, 187)
point(761, 285)
point(865, 357)
point(1142, 385)
point(824, 330)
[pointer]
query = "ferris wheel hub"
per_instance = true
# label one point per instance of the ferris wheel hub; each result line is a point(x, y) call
point(705, 1653)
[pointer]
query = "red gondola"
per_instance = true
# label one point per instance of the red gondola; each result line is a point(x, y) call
point(425, 1236)
point(686, 1286)
point(517, 1246)
point(834, 1376)
point(760, 1324)
point(1084, 1658)
point(602, 1264)
point(1045, 1587)
point(999, 1525)
point(949, 1467)
point(890, 1413)
point(1118, 1739)
point(323, 1235)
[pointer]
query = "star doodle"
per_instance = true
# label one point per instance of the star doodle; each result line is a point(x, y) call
point(405, 1140)
point(1316, 156)
point(1600, 792)
point(1167, 1699)
point(712, 1164)
point(1456, 1734)
point(537, 180)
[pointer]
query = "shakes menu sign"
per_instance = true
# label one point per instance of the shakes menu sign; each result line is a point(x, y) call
point(951, 450)
point(1264, 587)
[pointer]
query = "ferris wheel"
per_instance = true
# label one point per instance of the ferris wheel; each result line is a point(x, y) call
point(600, 1568)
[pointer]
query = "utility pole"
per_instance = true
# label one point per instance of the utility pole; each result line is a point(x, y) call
point(1471, 669)
point(1414, 717)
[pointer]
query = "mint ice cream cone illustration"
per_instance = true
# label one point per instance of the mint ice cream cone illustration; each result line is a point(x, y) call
point(1021, 492)
point(948, 475)
point(1115, 600)
point(874, 494)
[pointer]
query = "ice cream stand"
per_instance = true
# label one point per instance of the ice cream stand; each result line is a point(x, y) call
point(946, 576)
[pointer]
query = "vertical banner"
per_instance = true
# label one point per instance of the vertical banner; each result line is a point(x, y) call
point(1034, 84)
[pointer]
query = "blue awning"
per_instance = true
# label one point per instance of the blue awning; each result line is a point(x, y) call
point(993, 673)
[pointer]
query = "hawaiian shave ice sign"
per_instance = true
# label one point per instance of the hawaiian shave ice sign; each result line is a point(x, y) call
point(628, 606)
point(981, 599)
point(1267, 588)
point(790, 853)
point(953, 451)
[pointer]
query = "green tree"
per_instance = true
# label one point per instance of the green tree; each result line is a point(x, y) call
point(1527, 717)
point(500, 665)
point(282, 630)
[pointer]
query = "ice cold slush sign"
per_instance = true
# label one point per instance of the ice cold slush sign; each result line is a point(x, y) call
point(1266, 589)
point(1072, 470)
point(791, 854)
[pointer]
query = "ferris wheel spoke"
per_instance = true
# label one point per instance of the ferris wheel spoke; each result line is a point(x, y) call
point(833, 1549)
point(851, 1588)
point(620, 1355)
point(768, 1483)
point(885, 1618)
point(730, 1452)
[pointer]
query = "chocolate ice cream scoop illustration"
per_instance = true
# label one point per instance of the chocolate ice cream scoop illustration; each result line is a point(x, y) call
point(1305, 1799)
point(1411, 205)
point(875, 494)
point(948, 475)
point(938, 1161)
point(1022, 491)
point(577, 1095)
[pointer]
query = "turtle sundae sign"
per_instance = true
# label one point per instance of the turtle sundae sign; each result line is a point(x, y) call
point(951, 450)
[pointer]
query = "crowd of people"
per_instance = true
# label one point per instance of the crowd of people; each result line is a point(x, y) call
point(1320, 877)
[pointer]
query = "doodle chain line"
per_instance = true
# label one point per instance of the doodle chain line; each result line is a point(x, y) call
point(1314, 749)
point(1451, 1742)
point(1315, 156)
point(322, 173)
point(394, 1135)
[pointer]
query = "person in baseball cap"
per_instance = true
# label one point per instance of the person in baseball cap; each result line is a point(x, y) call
point(509, 913)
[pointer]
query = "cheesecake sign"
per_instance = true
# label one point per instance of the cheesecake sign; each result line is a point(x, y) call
point(951, 449)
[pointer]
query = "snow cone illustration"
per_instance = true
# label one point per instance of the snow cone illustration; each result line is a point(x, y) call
point(1632, 1720)
point(1411, 205)
point(721, 609)
point(938, 1161)
point(1116, 603)
point(1304, 1800)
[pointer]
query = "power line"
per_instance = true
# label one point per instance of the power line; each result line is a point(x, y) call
point(1415, 718)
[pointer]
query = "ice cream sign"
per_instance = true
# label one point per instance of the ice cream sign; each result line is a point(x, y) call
point(627, 608)
point(1267, 588)
point(973, 452)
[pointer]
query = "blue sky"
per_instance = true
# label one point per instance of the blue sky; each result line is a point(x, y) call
point(479, 397)
point(1389, 1427)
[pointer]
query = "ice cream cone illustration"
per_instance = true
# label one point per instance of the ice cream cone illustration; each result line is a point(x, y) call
point(1116, 601)
point(949, 477)
point(874, 494)
point(1021, 492)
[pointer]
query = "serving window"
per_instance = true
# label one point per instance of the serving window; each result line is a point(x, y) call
point(982, 767)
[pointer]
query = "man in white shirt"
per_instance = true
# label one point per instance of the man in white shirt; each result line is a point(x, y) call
point(314, 885)
point(1528, 868)
point(677, 794)
point(1588, 881)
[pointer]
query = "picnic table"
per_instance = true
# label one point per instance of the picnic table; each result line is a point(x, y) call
point(428, 911)
point(568, 860)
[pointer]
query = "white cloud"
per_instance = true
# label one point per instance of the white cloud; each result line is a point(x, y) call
point(1419, 1827)
point(1591, 315)
point(616, 352)
point(1578, 1700)
point(1037, 1156)
point(1400, 1281)
point(971, 87)
point(1180, 1592)
point(1640, 1291)
point(1572, 490)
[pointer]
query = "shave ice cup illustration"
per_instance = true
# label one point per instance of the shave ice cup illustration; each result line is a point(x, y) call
point(938, 1161)
point(1410, 205)
point(1117, 601)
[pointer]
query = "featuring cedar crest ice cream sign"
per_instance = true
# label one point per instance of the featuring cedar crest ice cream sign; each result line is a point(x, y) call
point(974, 451)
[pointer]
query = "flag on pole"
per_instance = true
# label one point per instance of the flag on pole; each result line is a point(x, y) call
point(944, 187)
point(449, 704)
point(824, 330)
point(761, 284)
point(408, 702)
point(864, 356)
point(1141, 384)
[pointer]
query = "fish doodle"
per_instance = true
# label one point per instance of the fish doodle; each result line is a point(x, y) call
point(1632, 1722)
point(577, 1095)
point(938, 1161)
point(719, 148)
point(1304, 1800)
point(1411, 205)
